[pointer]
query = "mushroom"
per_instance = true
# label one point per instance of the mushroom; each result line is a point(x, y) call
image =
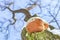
point(36, 24)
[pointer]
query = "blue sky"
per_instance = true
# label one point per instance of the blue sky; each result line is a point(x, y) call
point(13, 32)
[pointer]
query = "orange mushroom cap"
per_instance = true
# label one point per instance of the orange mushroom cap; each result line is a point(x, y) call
point(36, 25)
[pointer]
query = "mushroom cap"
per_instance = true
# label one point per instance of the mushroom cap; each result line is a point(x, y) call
point(36, 24)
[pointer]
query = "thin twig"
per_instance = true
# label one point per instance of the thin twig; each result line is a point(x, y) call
point(54, 19)
point(56, 13)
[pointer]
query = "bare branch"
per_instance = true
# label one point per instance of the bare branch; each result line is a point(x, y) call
point(55, 15)
point(25, 11)
point(9, 9)
point(31, 7)
point(54, 19)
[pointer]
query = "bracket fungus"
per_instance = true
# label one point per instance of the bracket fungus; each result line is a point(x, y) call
point(36, 24)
